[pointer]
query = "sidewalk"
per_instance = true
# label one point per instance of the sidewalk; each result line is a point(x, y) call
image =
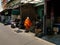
point(29, 38)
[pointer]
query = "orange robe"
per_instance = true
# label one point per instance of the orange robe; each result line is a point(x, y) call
point(27, 23)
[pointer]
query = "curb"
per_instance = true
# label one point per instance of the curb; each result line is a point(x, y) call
point(44, 41)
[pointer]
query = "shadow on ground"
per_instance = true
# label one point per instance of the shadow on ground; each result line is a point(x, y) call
point(18, 31)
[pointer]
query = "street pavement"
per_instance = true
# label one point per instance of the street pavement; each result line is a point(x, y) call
point(8, 36)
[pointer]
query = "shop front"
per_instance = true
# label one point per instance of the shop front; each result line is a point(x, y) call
point(39, 8)
point(8, 16)
point(15, 13)
point(2, 16)
point(40, 11)
point(28, 10)
point(52, 12)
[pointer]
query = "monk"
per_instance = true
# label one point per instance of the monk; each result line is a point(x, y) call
point(27, 24)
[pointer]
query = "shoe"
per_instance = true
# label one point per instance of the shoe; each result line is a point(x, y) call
point(26, 31)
